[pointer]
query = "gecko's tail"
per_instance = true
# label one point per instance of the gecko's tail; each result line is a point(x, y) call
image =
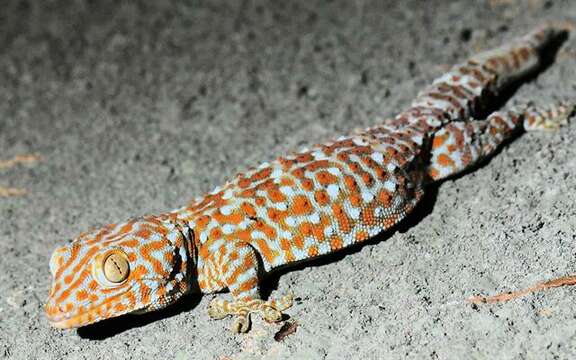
point(525, 55)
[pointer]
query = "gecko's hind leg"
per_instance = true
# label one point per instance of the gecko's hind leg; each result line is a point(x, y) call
point(460, 145)
point(234, 264)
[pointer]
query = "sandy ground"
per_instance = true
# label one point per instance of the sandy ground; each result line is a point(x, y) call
point(136, 109)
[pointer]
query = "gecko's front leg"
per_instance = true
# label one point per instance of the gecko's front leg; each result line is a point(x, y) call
point(234, 264)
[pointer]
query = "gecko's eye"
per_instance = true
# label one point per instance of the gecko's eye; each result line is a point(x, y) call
point(111, 268)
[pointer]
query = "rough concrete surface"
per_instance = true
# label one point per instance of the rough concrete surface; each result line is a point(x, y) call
point(136, 108)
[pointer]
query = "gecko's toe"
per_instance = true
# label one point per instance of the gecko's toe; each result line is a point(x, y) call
point(217, 310)
point(241, 324)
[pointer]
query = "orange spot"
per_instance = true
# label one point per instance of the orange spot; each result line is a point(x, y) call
point(260, 201)
point(119, 307)
point(299, 242)
point(262, 174)
point(350, 182)
point(276, 215)
point(321, 197)
point(368, 216)
point(216, 233)
point(285, 244)
point(445, 160)
point(315, 165)
point(318, 231)
point(367, 179)
point(276, 195)
point(244, 183)
point(68, 278)
point(145, 294)
point(307, 184)
point(299, 173)
point(304, 157)
point(129, 243)
point(361, 235)
point(248, 209)
point(286, 181)
point(385, 198)
point(202, 221)
point(268, 253)
point(243, 235)
point(342, 218)
point(248, 285)
point(248, 193)
point(434, 174)
point(306, 229)
point(312, 251)
point(355, 200)
point(301, 205)
point(143, 233)
point(335, 243)
point(326, 178)
point(81, 295)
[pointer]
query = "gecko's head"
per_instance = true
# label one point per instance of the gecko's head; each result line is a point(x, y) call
point(137, 266)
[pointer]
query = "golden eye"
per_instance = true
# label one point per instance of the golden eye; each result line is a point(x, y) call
point(116, 267)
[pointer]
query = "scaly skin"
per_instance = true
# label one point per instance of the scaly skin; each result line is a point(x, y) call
point(300, 206)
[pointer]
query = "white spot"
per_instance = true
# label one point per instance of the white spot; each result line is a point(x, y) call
point(333, 191)
point(342, 138)
point(378, 157)
point(281, 206)
point(319, 155)
point(354, 213)
point(216, 190)
point(359, 141)
point(263, 165)
point(334, 171)
point(203, 237)
point(258, 235)
point(417, 139)
point(367, 196)
point(228, 229)
point(391, 167)
point(228, 194)
point(373, 231)
point(390, 185)
point(226, 210)
point(378, 212)
point(287, 190)
point(244, 224)
point(314, 218)
point(290, 221)
point(276, 173)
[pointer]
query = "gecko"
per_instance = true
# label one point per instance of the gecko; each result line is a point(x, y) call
point(304, 205)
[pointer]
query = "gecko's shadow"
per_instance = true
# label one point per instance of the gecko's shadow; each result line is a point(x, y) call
point(111, 327)
point(114, 326)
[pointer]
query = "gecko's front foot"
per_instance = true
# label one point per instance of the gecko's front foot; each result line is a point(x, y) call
point(270, 310)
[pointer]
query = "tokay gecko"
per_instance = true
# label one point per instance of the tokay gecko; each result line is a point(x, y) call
point(304, 205)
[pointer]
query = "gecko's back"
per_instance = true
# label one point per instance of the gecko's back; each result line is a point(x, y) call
point(317, 201)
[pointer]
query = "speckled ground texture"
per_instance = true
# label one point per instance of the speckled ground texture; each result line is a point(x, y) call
point(137, 108)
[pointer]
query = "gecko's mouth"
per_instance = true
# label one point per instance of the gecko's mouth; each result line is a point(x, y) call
point(61, 319)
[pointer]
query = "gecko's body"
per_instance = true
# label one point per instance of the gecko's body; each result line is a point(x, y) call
point(301, 206)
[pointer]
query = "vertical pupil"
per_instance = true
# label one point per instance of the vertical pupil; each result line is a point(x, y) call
point(116, 268)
